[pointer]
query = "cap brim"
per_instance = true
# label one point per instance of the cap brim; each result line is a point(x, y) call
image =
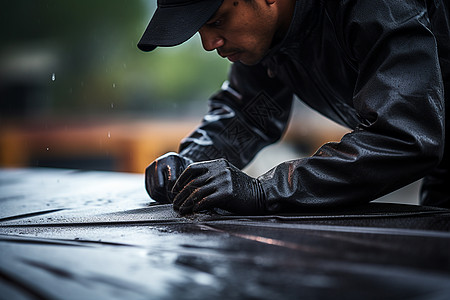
point(171, 26)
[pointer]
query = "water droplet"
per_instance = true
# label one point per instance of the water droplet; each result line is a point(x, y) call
point(114, 85)
point(53, 76)
point(109, 134)
point(48, 148)
point(112, 105)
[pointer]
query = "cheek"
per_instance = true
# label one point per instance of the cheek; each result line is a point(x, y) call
point(247, 39)
point(253, 39)
point(258, 44)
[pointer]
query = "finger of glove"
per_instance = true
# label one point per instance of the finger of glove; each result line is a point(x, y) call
point(175, 165)
point(214, 200)
point(237, 199)
point(201, 194)
point(155, 183)
point(161, 175)
point(189, 188)
point(194, 171)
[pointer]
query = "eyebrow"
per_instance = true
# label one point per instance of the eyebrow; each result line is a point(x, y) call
point(215, 16)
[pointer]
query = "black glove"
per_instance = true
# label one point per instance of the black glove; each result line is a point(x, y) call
point(217, 184)
point(161, 174)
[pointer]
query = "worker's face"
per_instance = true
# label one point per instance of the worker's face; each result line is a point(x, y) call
point(241, 31)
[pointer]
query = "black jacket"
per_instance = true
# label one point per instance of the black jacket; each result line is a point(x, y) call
point(371, 65)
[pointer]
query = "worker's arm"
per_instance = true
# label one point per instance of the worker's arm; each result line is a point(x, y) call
point(399, 100)
point(249, 112)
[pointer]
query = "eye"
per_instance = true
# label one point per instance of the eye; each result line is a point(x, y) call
point(216, 23)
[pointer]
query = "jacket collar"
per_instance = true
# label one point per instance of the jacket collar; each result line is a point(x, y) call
point(303, 20)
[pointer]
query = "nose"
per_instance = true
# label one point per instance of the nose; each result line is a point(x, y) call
point(210, 40)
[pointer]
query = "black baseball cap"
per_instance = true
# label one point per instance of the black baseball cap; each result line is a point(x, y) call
point(176, 21)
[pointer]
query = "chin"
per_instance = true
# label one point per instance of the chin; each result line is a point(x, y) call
point(251, 59)
point(250, 62)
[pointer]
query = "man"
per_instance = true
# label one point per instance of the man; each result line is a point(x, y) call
point(379, 67)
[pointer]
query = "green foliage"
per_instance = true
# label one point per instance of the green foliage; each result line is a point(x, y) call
point(91, 46)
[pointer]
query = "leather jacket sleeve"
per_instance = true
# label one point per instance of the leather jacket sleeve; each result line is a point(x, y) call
point(398, 97)
point(242, 119)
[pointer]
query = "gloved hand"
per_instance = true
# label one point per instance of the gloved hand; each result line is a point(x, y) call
point(217, 184)
point(161, 174)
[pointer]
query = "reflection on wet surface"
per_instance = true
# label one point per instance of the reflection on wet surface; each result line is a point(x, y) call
point(96, 235)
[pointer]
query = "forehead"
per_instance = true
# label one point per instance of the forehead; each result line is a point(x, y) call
point(225, 8)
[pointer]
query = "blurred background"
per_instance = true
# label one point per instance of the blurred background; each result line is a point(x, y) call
point(75, 92)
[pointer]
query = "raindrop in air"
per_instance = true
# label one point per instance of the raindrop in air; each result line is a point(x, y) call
point(53, 77)
point(109, 134)
point(112, 105)
point(114, 85)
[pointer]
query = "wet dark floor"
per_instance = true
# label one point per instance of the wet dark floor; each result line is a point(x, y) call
point(96, 235)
